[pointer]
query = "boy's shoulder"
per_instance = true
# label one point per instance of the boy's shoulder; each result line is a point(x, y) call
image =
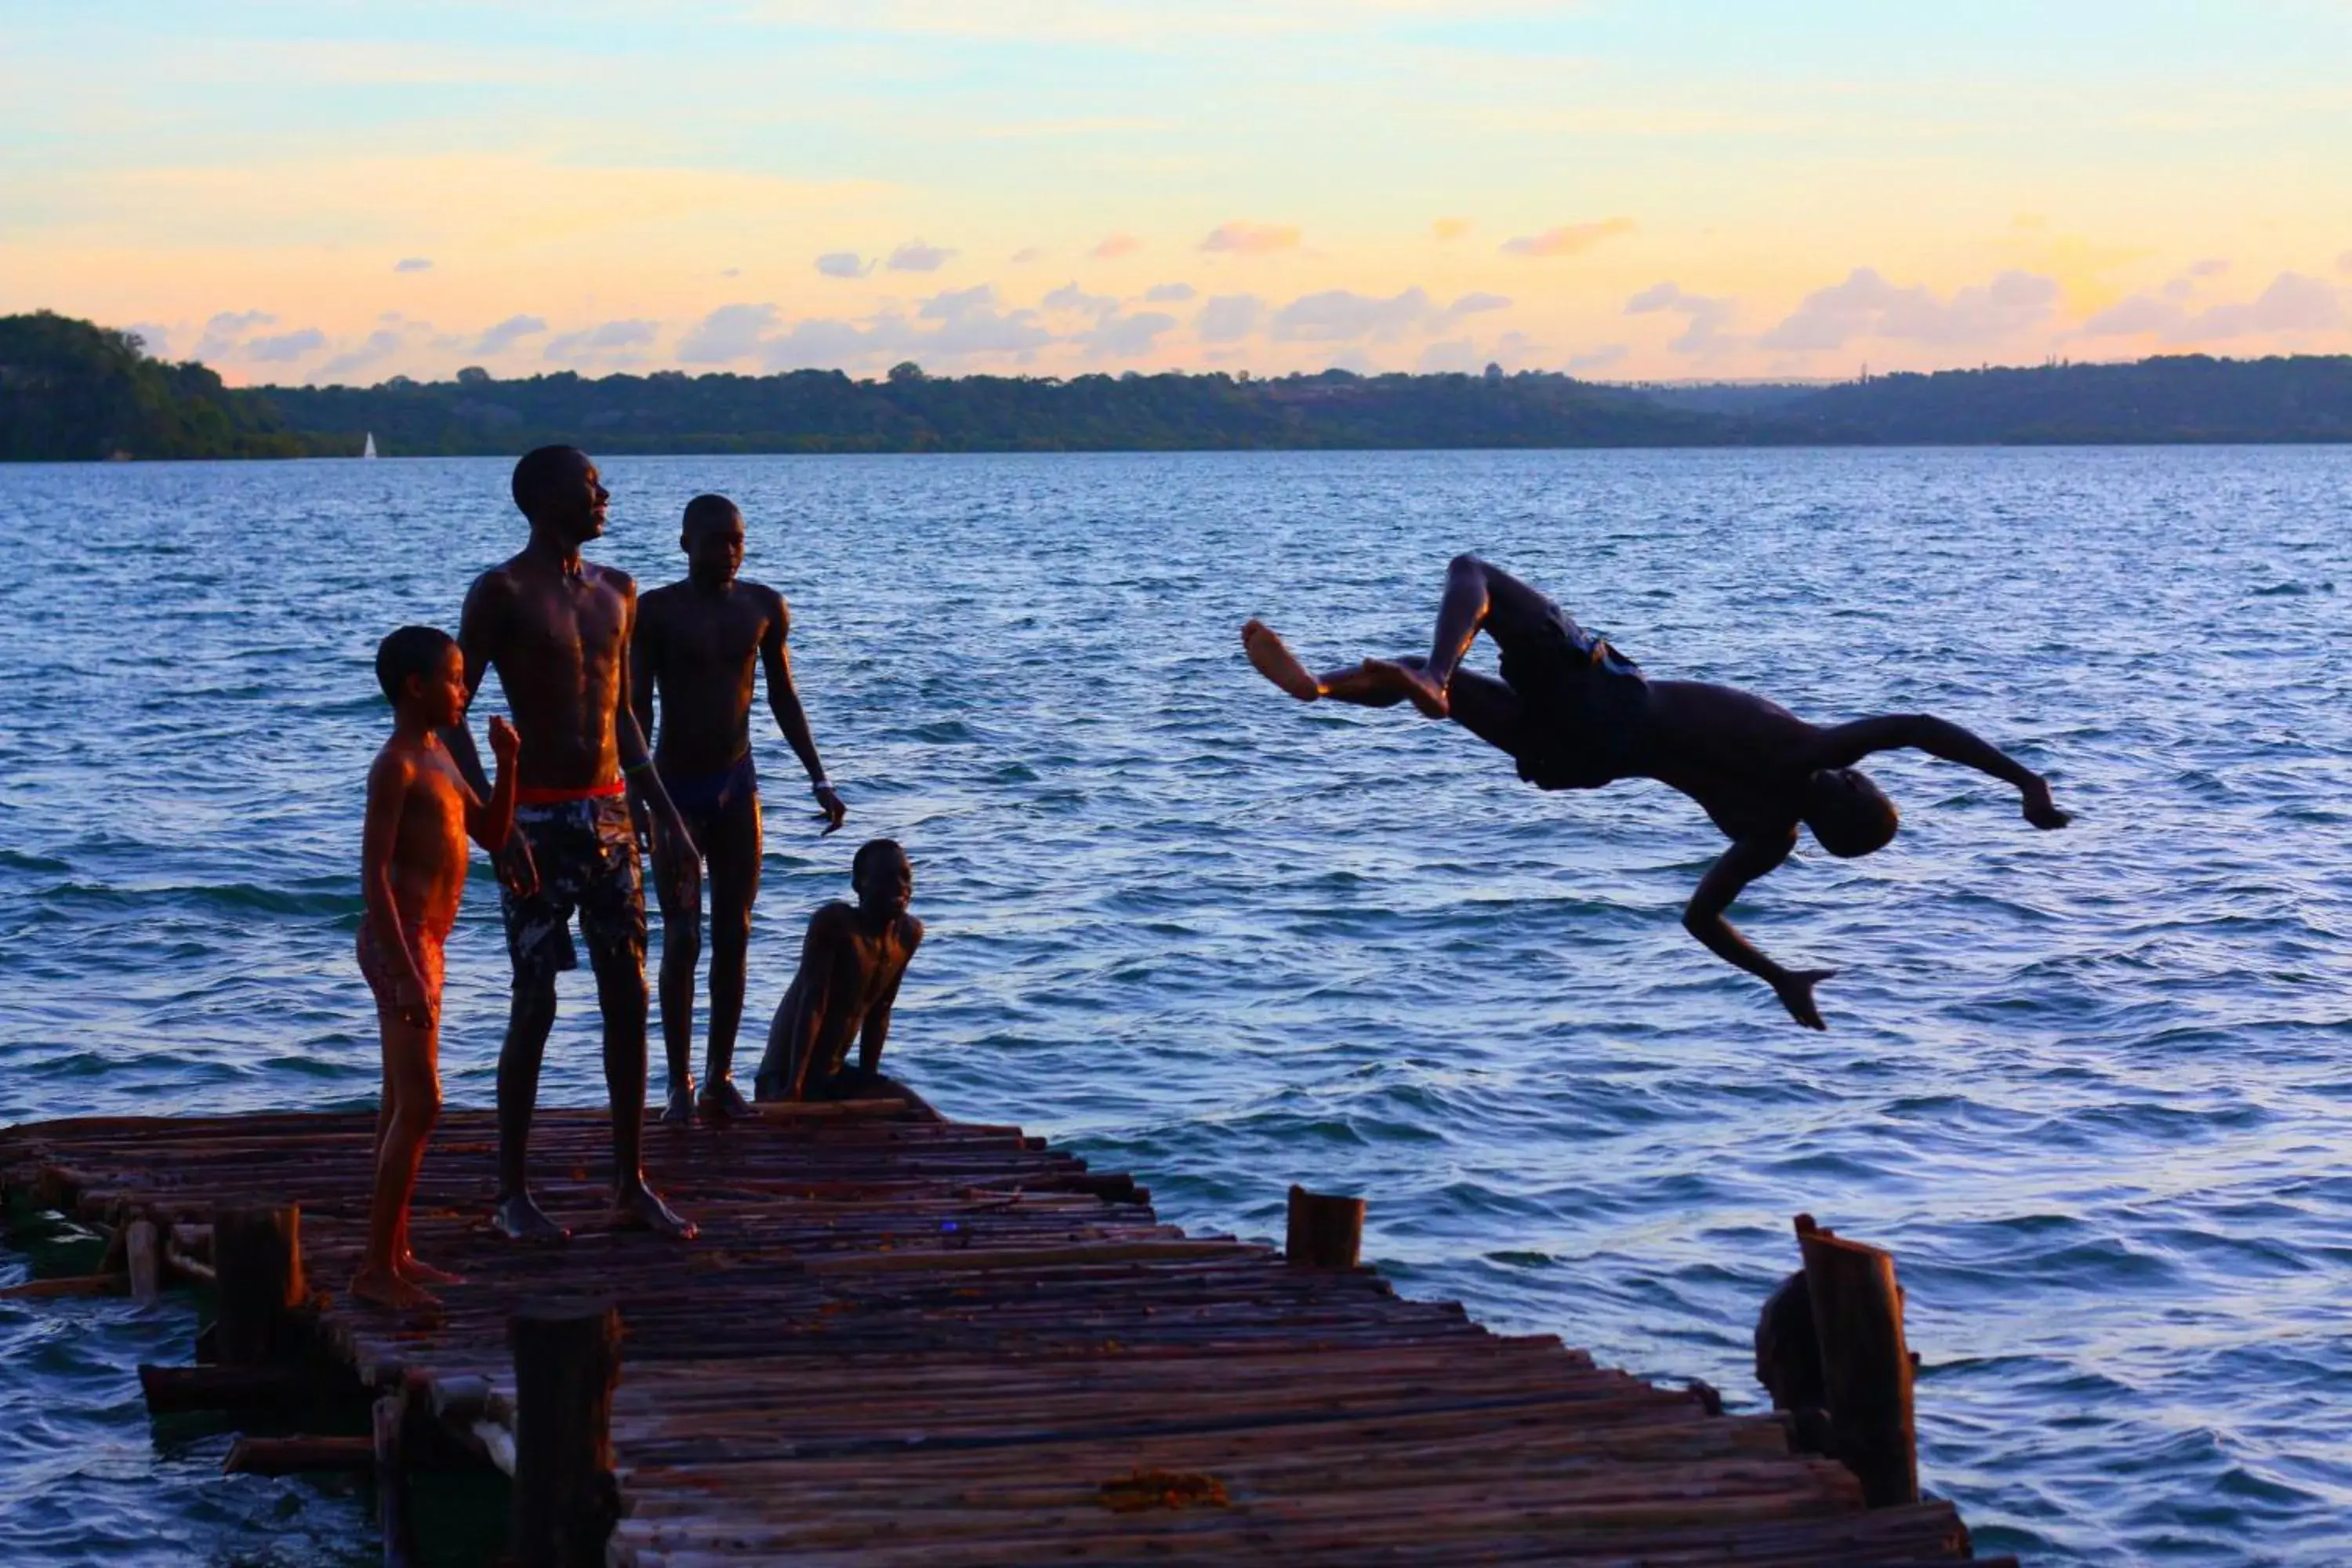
point(910, 932)
point(834, 915)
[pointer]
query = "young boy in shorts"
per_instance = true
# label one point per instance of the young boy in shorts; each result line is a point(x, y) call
point(851, 963)
point(413, 872)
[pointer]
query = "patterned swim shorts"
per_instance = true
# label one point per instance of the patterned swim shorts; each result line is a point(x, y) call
point(382, 968)
point(586, 852)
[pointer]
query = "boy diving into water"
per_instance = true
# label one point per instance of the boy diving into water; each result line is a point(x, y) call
point(851, 963)
point(698, 644)
point(412, 874)
point(1576, 714)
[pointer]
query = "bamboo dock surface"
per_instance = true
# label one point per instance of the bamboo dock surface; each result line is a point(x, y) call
point(905, 1340)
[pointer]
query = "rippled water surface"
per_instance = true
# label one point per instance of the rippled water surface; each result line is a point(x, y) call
point(2091, 1087)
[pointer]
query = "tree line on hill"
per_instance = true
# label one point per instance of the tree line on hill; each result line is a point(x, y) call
point(72, 391)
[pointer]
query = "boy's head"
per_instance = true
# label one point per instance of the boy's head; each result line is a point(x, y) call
point(883, 875)
point(558, 489)
point(712, 538)
point(1849, 814)
point(423, 674)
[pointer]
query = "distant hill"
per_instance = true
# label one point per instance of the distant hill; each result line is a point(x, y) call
point(72, 391)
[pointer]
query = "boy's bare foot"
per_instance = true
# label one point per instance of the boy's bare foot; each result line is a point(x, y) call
point(637, 1204)
point(722, 1101)
point(383, 1289)
point(1411, 683)
point(1270, 659)
point(679, 1112)
point(417, 1272)
point(517, 1218)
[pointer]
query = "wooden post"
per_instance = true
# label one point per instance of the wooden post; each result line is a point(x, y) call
point(1865, 1366)
point(1325, 1232)
point(567, 1356)
point(257, 1258)
point(142, 1256)
point(392, 1509)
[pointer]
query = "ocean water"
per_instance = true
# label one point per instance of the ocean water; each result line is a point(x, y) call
point(2092, 1087)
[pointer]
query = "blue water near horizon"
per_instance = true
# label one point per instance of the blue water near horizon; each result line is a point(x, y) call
point(2090, 1087)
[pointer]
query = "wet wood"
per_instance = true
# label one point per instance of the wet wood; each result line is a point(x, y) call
point(142, 1252)
point(67, 1285)
point(300, 1456)
point(902, 1339)
point(171, 1389)
point(258, 1262)
point(1324, 1232)
point(394, 1517)
point(1857, 1311)
point(567, 1357)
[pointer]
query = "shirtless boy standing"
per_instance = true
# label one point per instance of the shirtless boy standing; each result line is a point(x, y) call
point(412, 873)
point(851, 963)
point(698, 646)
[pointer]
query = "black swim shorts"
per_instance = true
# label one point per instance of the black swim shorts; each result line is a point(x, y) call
point(1583, 705)
point(586, 852)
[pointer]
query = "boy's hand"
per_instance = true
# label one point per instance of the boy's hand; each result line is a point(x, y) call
point(2040, 809)
point(409, 1005)
point(505, 744)
point(1795, 989)
point(677, 864)
point(518, 872)
point(829, 808)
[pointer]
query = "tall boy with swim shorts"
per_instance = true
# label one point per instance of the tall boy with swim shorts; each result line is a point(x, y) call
point(413, 872)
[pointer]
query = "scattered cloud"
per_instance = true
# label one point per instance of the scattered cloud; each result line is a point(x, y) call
point(1342, 316)
point(730, 333)
point(613, 342)
point(1069, 297)
point(413, 264)
point(1569, 239)
point(1123, 337)
point(1228, 318)
point(844, 264)
point(378, 346)
point(507, 333)
point(1118, 245)
point(2344, 262)
point(1170, 293)
point(916, 256)
point(156, 341)
point(1704, 316)
point(730, 272)
point(2212, 267)
point(1598, 359)
point(1025, 255)
point(225, 330)
point(1450, 228)
point(1867, 306)
point(2292, 303)
point(1472, 304)
point(1245, 238)
point(282, 347)
point(1453, 355)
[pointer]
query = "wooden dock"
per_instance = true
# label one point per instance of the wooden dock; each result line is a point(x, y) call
point(905, 1340)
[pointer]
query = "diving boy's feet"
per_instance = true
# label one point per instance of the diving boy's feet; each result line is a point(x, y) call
point(679, 1112)
point(517, 1218)
point(383, 1289)
point(1411, 683)
point(420, 1273)
point(1270, 659)
point(637, 1204)
point(720, 1101)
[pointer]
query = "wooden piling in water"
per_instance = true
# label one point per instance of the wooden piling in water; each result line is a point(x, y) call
point(1865, 1365)
point(567, 1358)
point(1324, 1232)
point(257, 1265)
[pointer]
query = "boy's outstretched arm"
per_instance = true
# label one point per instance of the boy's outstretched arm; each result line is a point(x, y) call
point(488, 823)
point(387, 798)
point(812, 1026)
point(1747, 859)
point(792, 718)
point(1847, 744)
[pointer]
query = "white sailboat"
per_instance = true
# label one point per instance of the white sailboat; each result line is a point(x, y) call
point(369, 450)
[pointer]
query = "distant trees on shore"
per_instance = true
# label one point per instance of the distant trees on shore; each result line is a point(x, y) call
point(72, 391)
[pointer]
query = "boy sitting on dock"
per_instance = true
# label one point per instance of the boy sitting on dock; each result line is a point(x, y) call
point(412, 873)
point(851, 963)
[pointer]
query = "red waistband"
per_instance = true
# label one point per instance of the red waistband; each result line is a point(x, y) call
point(531, 795)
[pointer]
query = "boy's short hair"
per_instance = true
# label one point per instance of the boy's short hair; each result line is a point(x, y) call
point(534, 472)
point(1849, 814)
point(870, 851)
point(705, 509)
point(411, 650)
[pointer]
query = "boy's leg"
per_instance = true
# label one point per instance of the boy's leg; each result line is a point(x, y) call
point(620, 995)
point(531, 1015)
point(1478, 595)
point(1373, 683)
point(412, 1103)
point(681, 951)
point(732, 850)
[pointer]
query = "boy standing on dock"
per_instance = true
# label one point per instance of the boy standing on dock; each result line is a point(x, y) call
point(699, 645)
point(851, 964)
point(412, 873)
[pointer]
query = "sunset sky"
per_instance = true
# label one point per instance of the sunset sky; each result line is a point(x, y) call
point(1663, 189)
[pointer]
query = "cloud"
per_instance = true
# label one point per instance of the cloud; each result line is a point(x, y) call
point(224, 331)
point(613, 342)
point(1118, 245)
point(1598, 359)
point(972, 324)
point(1025, 255)
point(2344, 262)
point(843, 264)
point(730, 333)
point(1453, 355)
point(916, 256)
point(1341, 316)
point(1450, 228)
point(1472, 304)
point(2212, 267)
point(1228, 318)
point(1069, 297)
point(2292, 303)
point(1569, 239)
point(1170, 293)
point(1125, 336)
point(1704, 316)
point(1245, 238)
point(284, 346)
point(155, 341)
point(507, 333)
point(413, 264)
point(380, 346)
point(1867, 306)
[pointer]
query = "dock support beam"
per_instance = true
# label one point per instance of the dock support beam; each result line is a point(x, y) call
point(567, 1357)
point(258, 1262)
point(1865, 1366)
point(1325, 1232)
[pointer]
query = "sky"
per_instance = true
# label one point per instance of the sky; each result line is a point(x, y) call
point(1620, 189)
